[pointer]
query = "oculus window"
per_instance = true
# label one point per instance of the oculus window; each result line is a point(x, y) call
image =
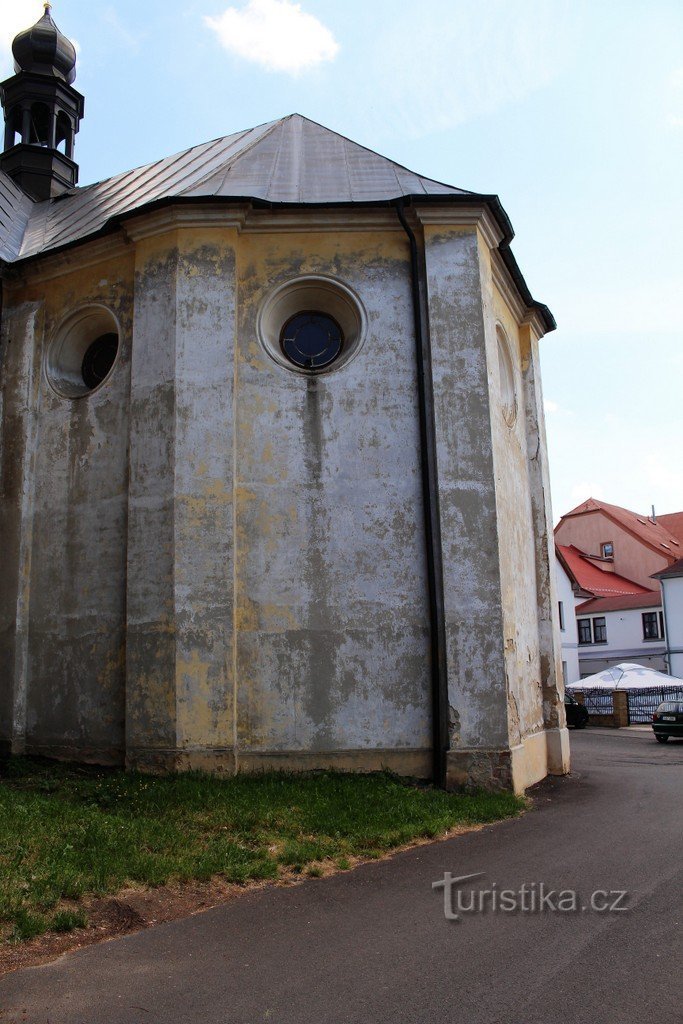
point(312, 325)
point(83, 352)
point(99, 359)
point(311, 340)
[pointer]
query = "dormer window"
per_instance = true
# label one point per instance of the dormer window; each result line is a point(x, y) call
point(607, 549)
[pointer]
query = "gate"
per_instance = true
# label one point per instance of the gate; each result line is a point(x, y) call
point(598, 702)
point(642, 704)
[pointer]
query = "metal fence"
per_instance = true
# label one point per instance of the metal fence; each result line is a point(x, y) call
point(642, 704)
point(598, 702)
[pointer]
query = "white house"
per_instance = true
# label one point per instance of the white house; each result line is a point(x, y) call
point(629, 628)
point(671, 580)
point(566, 603)
point(617, 619)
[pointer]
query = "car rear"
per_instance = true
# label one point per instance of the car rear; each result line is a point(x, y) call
point(668, 720)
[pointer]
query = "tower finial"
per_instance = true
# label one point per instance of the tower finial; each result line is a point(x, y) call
point(48, 6)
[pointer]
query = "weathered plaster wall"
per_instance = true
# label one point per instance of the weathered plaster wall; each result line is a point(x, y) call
point(556, 735)
point(19, 373)
point(515, 526)
point(73, 524)
point(472, 586)
point(180, 687)
point(332, 632)
point(231, 555)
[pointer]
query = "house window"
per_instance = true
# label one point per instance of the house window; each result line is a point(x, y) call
point(592, 631)
point(585, 633)
point(653, 626)
point(560, 605)
point(607, 549)
point(600, 630)
point(565, 673)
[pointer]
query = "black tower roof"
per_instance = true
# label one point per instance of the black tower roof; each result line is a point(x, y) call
point(42, 112)
point(43, 49)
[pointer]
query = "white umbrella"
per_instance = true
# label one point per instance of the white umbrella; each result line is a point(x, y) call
point(626, 676)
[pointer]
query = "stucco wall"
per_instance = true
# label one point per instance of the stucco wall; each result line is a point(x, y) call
point(568, 635)
point(72, 532)
point(673, 596)
point(180, 685)
point(472, 591)
point(231, 555)
point(516, 534)
point(332, 638)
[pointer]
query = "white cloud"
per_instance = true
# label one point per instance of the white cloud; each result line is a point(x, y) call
point(276, 34)
point(550, 406)
point(463, 61)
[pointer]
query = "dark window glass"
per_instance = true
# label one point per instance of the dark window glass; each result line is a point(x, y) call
point(311, 340)
point(99, 359)
point(585, 636)
point(608, 550)
point(651, 626)
point(599, 631)
point(561, 610)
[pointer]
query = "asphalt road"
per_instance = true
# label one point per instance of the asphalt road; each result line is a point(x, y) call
point(373, 945)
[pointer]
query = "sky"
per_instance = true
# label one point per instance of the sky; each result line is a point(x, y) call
point(572, 112)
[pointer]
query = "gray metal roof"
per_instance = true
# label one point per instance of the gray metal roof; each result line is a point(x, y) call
point(292, 160)
point(15, 210)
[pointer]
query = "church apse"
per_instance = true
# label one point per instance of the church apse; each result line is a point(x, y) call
point(274, 483)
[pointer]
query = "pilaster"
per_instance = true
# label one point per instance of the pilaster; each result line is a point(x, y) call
point(479, 734)
point(180, 693)
point(19, 395)
point(548, 625)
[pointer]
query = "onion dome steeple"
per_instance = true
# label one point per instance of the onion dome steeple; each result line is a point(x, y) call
point(45, 50)
point(42, 111)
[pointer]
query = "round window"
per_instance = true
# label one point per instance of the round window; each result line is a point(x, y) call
point(311, 340)
point(83, 352)
point(99, 359)
point(312, 324)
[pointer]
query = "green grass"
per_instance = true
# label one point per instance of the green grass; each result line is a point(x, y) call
point(68, 831)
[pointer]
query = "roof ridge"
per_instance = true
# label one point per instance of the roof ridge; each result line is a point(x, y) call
point(272, 125)
point(381, 156)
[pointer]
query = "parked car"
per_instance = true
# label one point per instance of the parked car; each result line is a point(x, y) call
point(575, 712)
point(668, 720)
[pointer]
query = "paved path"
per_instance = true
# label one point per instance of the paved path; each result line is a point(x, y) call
point(373, 946)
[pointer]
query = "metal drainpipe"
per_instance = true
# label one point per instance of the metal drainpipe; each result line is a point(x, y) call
point(430, 499)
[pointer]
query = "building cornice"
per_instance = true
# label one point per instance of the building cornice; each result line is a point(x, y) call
point(54, 265)
point(460, 215)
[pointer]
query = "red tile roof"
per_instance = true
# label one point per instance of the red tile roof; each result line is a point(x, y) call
point(656, 535)
point(674, 524)
point(592, 578)
point(620, 603)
